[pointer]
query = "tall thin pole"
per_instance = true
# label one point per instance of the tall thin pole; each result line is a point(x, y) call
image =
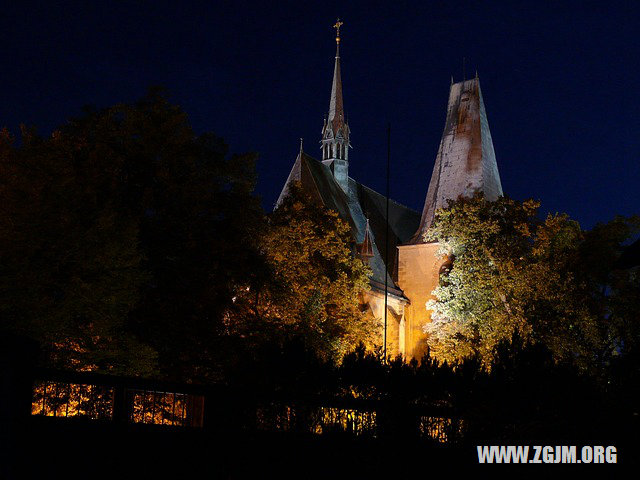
point(386, 242)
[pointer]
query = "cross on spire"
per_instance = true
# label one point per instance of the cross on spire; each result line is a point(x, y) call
point(337, 27)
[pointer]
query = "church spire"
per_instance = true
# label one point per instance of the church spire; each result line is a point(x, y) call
point(466, 161)
point(335, 132)
point(336, 108)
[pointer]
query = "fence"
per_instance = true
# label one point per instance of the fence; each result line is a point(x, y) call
point(116, 399)
point(111, 399)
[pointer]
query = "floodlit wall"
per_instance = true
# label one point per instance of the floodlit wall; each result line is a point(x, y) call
point(418, 275)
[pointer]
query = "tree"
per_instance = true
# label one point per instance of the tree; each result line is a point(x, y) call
point(124, 237)
point(511, 273)
point(71, 265)
point(315, 282)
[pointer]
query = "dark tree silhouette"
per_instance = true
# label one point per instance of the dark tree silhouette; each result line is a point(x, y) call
point(124, 236)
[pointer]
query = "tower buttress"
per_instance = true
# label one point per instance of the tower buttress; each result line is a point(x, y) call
point(335, 141)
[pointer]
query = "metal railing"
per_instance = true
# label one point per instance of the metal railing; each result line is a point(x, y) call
point(126, 400)
point(116, 399)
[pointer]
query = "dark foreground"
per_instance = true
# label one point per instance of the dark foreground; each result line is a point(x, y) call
point(65, 448)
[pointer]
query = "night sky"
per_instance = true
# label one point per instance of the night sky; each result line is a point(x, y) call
point(559, 80)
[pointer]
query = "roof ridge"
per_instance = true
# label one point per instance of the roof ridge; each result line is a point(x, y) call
point(368, 188)
point(390, 199)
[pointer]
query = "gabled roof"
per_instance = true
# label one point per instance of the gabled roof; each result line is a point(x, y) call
point(317, 180)
point(355, 206)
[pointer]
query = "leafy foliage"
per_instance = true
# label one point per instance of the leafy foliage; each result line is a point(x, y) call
point(72, 267)
point(124, 236)
point(315, 284)
point(546, 281)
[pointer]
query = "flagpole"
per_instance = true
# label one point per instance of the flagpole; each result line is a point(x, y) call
point(386, 244)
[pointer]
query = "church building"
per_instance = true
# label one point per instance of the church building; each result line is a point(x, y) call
point(405, 268)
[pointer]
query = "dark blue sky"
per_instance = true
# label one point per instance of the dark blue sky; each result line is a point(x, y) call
point(559, 80)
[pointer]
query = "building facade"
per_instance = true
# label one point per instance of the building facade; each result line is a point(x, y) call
point(405, 268)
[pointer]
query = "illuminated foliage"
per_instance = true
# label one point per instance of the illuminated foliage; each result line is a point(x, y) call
point(60, 399)
point(511, 273)
point(315, 281)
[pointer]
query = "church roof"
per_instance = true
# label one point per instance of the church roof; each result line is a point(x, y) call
point(466, 161)
point(356, 206)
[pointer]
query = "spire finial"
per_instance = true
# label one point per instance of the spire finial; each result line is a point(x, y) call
point(337, 27)
point(301, 141)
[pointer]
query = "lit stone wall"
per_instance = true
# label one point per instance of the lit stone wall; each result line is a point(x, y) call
point(418, 275)
point(395, 324)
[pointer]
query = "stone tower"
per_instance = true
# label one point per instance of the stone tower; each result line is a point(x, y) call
point(465, 163)
point(335, 131)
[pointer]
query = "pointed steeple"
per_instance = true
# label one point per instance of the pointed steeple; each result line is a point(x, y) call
point(335, 131)
point(336, 107)
point(365, 249)
point(466, 161)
